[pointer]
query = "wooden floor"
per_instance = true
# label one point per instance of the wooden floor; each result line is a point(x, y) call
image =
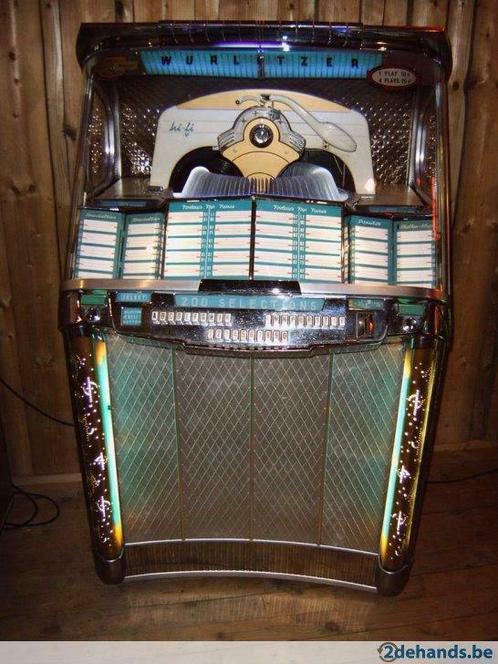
point(48, 589)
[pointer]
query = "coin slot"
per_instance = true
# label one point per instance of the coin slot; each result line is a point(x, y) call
point(365, 325)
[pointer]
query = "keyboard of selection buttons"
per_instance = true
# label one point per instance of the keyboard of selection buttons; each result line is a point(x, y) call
point(247, 336)
point(305, 321)
point(223, 319)
point(173, 317)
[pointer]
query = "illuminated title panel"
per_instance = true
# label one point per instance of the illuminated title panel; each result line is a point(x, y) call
point(243, 63)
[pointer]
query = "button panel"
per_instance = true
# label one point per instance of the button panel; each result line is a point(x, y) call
point(225, 319)
point(246, 328)
point(204, 318)
point(306, 321)
point(248, 336)
point(334, 321)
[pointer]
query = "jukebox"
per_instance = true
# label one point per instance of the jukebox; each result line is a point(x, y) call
point(256, 302)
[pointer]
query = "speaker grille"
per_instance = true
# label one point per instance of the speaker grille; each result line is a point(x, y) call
point(280, 449)
point(363, 409)
point(143, 410)
point(214, 407)
point(290, 405)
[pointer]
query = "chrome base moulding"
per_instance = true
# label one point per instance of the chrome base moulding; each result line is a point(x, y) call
point(292, 562)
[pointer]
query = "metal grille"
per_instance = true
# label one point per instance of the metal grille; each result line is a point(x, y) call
point(214, 403)
point(97, 127)
point(389, 118)
point(290, 404)
point(143, 411)
point(294, 449)
point(389, 115)
point(363, 408)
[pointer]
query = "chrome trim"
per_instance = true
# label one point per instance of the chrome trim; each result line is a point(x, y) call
point(116, 134)
point(418, 147)
point(111, 143)
point(443, 180)
point(88, 375)
point(308, 288)
point(252, 575)
point(96, 39)
point(415, 407)
point(213, 540)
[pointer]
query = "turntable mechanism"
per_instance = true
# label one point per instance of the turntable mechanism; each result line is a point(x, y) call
point(261, 144)
point(275, 142)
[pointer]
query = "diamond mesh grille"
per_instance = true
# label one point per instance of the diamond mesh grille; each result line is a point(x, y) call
point(214, 416)
point(143, 414)
point(363, 408)
point(294, 449)
point(96, 141)
point(290, 399)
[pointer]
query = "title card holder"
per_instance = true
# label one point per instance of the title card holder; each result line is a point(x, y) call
point(370, 250)
point(208, 239)
point(415, 260)
point(98, 245)
point(143, 245)
point(295, 240)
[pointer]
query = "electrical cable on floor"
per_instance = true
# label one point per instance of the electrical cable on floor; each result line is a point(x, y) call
point(34, 499)
point(465, 477)
point(31, 496)
point(33, 406)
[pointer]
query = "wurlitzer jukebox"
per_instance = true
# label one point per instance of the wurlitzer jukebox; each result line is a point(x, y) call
point(255, 307)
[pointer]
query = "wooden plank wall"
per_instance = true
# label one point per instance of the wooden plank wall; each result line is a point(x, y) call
point(41, 101)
